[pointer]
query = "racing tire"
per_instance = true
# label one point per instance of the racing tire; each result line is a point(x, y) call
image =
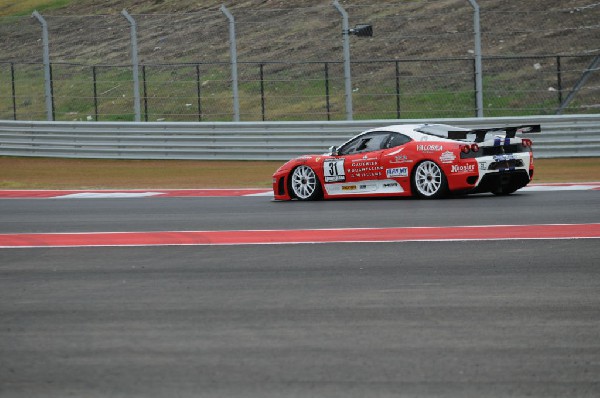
point(304, 184)
point(429, 181)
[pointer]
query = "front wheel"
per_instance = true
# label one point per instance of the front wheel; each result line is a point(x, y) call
point(305, 184)
point(429, 181)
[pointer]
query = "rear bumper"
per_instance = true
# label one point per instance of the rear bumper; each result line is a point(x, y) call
point(504, 172)
point(504, 180)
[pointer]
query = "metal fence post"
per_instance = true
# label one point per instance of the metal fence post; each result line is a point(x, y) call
point(234, 71)
point(145, 93)
point(559, 80)
point(199, 92)
point(14, 94)
point(134, 61)
point(52, 92)
point(397, 90)
point(47, 78)
point(262, 90)
point(94, 78)
point(475, 85)
point(346, 44)
point(478, 67)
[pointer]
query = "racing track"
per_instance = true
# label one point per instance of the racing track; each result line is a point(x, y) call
point(448, 318)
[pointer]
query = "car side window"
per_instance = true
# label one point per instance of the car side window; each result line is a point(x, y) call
point(365, 143)
point(397, 139)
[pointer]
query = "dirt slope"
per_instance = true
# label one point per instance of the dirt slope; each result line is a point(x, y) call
point(268, 30)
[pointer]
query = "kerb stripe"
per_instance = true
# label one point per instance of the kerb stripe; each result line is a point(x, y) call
point(249, 237)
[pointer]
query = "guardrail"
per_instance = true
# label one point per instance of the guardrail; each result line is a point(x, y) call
point(562, 136)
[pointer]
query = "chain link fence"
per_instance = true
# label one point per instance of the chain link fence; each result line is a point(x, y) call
point(419, 63)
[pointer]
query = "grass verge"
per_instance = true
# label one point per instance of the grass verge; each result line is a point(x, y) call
point(49, 173)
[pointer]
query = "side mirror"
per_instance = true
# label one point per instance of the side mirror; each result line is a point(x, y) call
point(333, 151)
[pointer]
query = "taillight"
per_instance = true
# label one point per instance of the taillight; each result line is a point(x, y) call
point(464, 149)
point(474, 147)
point(527, 143)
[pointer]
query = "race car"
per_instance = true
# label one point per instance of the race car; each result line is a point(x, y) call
point(423, 160)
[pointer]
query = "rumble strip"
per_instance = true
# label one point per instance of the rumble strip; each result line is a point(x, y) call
point(271, 237)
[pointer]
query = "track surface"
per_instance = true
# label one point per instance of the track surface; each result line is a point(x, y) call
point(465, 319)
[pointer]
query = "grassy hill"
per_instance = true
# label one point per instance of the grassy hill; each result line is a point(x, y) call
point(294, 39)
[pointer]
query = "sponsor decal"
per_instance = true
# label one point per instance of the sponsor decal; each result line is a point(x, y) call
point(397, 172)
point(363, 175)
point(467, 168)
point(503, 158)
point(361, 169)
point(483, 165)
point(365, 168)
point(401, 159)
point(333, 170)
point(365, 159)
point(397, 151)
point(363, 187)
point(363, 163)
point(305, 157)
point(317, 160)
point(398, 158)
point(447, 157)
point(429, 148)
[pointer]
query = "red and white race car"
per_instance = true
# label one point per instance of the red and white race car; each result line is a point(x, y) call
point(424, 160)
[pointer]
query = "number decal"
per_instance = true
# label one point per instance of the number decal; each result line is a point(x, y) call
point(334, 170)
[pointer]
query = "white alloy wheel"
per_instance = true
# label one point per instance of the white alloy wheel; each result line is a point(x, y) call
point(304, 183)
point(429, 180)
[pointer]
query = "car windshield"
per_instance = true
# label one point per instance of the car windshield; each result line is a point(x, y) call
point(438, 130)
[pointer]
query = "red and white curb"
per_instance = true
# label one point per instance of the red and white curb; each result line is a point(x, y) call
point(301, 236)
point(130, 193)
point(182, 193)
point(581, 186)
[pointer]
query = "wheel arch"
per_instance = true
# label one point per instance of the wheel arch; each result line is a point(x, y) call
point(319, 189)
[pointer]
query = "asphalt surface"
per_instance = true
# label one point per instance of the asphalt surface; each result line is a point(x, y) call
point(184, 214)
point(460, 319)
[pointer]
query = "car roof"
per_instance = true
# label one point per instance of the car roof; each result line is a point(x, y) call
point(420, 132)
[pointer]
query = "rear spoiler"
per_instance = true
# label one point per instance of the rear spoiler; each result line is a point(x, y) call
point(480, 134)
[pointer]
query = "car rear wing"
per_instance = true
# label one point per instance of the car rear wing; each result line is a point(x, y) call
point(510, 132)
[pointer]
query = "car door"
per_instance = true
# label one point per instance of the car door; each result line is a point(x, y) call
point(356, 163)
point(396, 161)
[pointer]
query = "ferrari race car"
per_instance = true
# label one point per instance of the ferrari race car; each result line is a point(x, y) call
point(424, 160)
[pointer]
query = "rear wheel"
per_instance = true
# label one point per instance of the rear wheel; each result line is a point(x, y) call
point(304, 184)
point(429, 181)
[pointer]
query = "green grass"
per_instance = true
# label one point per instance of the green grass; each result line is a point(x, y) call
point(26, 7)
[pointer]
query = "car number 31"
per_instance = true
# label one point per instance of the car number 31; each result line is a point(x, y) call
point(333, 170)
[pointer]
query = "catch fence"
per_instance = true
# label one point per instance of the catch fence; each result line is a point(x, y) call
point(270, 91)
